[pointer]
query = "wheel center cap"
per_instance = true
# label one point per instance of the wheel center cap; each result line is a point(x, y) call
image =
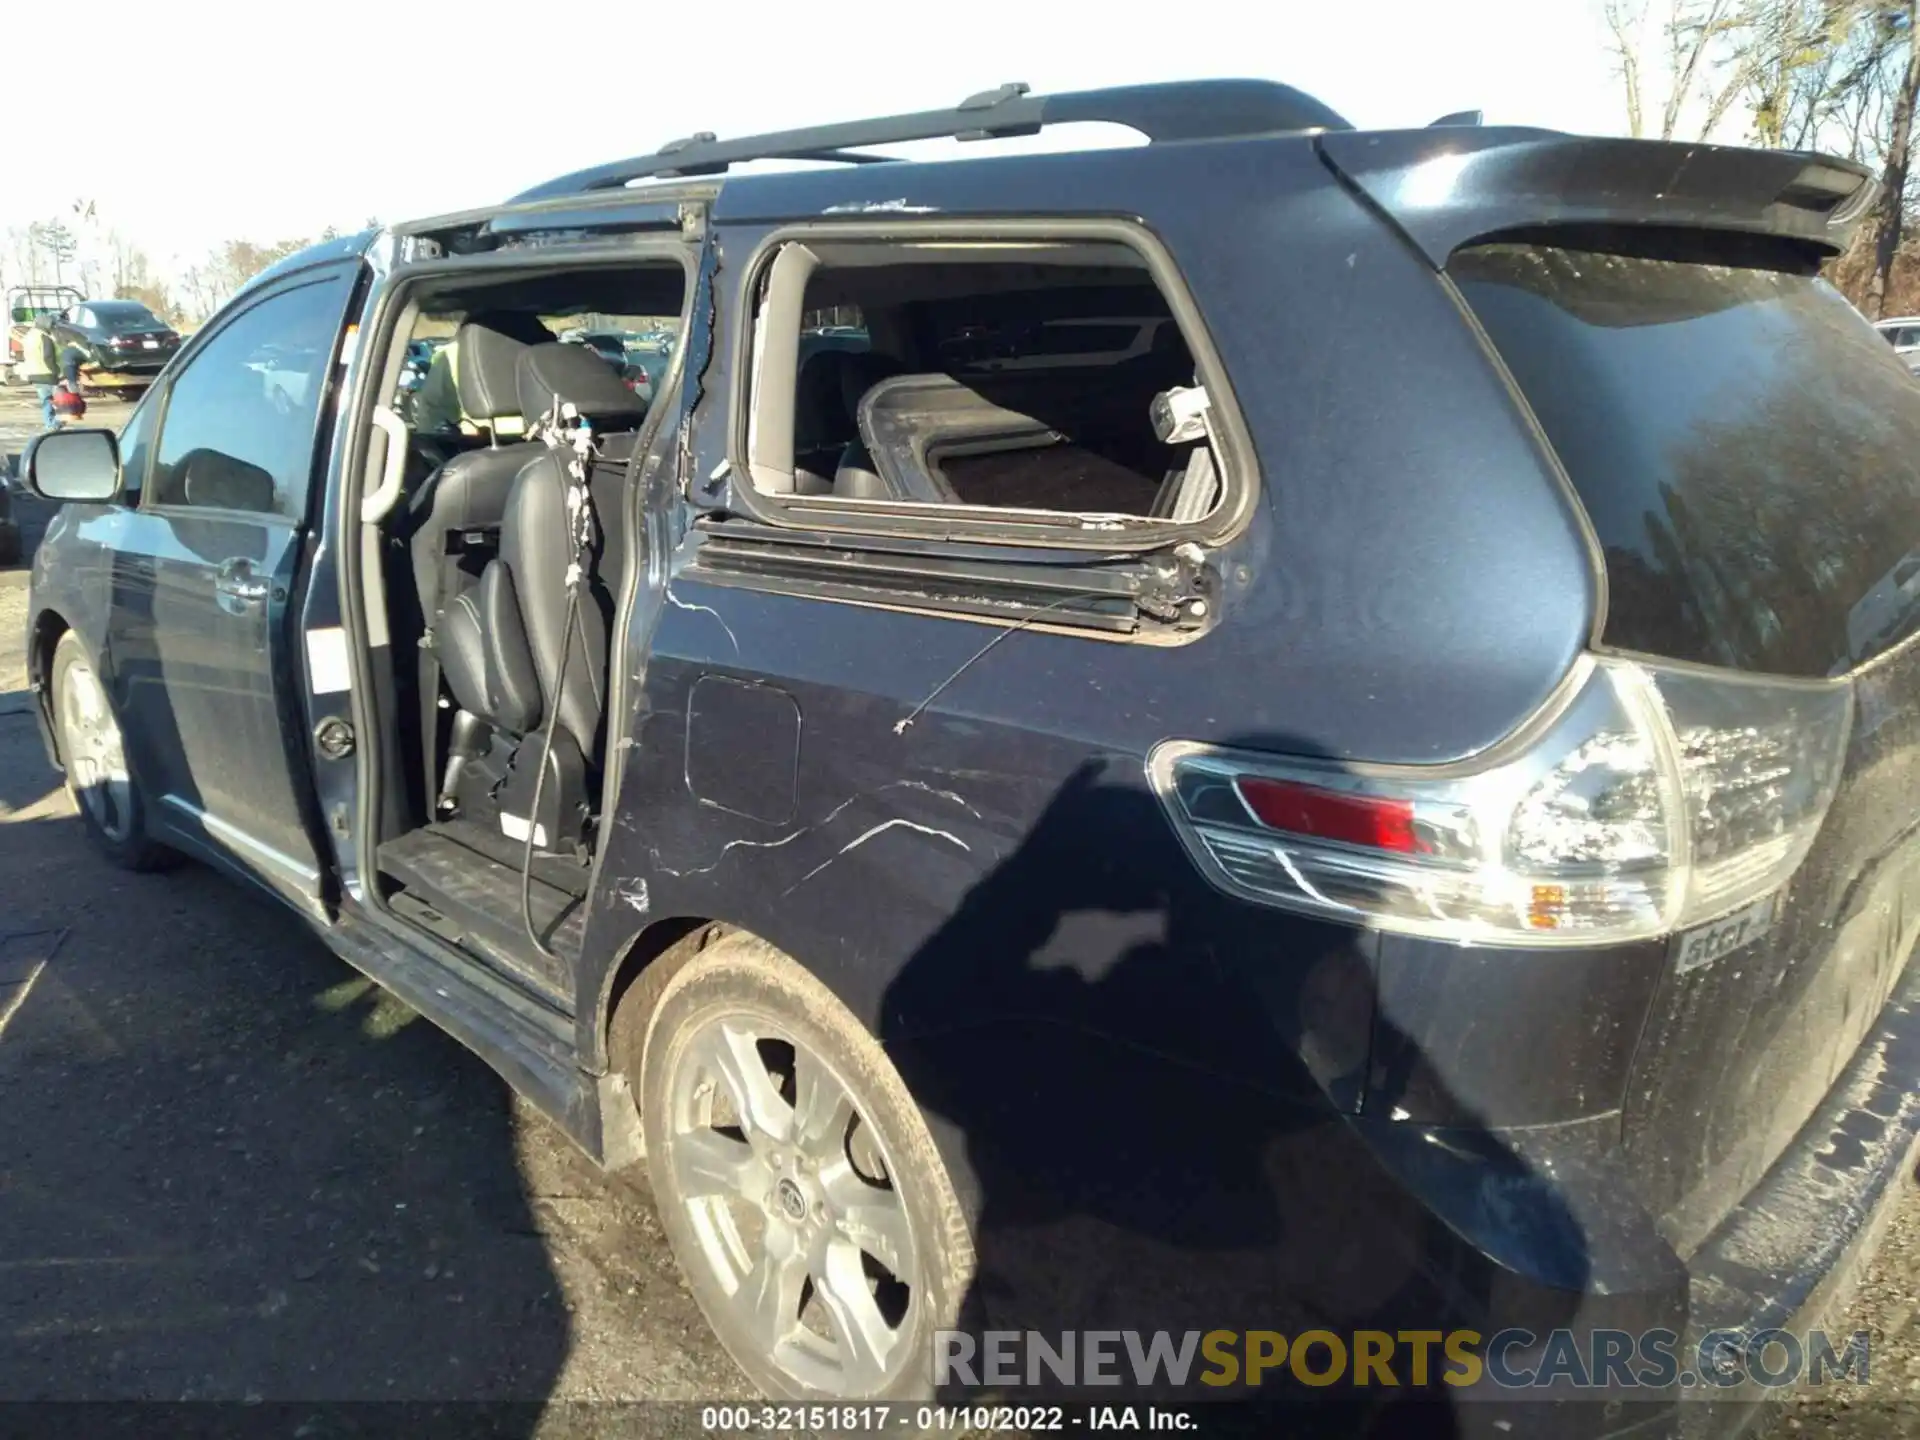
point(792, 1201)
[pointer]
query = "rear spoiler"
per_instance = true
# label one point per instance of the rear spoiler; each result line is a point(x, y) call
point(1448, 188)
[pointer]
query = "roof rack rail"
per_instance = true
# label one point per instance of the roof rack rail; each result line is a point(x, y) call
point(1183, 110)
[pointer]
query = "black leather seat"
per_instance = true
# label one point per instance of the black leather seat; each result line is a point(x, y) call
point(468, 494)
point(500, 642)
point(826, 403)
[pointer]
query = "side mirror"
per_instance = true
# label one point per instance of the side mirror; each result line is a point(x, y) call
point(73, 465)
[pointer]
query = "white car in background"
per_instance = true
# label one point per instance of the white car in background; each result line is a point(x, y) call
point(1903, 333)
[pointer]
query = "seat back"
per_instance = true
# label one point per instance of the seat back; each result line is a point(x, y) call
point(468, 494)
point(827, 395)
point(536, 541)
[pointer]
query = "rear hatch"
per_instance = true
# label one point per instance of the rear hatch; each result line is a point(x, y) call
point(1747, 449)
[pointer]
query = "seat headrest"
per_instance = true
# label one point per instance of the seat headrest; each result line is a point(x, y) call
point(490, 348)
point(215, 478)
point(575, 374)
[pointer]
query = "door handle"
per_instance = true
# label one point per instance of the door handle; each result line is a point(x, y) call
point(236, 584)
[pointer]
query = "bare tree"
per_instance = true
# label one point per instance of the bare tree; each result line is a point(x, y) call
point(205, 287)
point(1860, 105)
point(56, 242)
point(1792, 49)
point(202, 295)
point(1702, 67)
point(1623, 24)
point(1903, 18)
point(1698, 37)
point(134, 278)
point(23, 257)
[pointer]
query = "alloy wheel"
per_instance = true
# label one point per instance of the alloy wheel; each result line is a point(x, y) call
point(793, 1205)
point(95, 757)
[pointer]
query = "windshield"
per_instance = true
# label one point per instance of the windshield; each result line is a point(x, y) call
point(1745, 444)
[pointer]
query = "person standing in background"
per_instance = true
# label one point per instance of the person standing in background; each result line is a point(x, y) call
point(40, 365)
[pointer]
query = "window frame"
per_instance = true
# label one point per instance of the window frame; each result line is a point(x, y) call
point(188, 355)
point(978, 524)
point(132, 486)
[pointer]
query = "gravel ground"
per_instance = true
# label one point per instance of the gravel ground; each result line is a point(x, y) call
point(232, 1169)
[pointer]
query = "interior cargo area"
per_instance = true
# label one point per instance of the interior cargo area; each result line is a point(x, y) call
point(1009, 377)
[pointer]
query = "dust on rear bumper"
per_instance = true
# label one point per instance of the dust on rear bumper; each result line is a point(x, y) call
point(1790, 1255)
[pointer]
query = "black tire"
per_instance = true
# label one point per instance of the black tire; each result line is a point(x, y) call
point(119, 829)
point(888, 1163)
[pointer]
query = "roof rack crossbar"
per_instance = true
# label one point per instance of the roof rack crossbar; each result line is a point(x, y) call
point(1186, 110)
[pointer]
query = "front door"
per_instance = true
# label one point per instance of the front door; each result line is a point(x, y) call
point(213, 690)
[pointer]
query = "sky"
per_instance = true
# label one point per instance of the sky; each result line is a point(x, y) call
point(189, 122)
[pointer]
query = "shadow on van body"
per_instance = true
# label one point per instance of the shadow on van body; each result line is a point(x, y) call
point(1166, 1138)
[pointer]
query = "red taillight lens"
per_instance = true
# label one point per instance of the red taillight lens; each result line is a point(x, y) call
point(1658, 797)
point(1378, 824)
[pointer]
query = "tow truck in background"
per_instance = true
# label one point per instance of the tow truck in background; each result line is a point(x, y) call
point(25, 304)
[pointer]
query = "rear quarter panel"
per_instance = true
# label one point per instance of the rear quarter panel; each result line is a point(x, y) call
point(963, 843)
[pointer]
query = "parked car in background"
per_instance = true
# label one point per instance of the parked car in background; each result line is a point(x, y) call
point(648, 355)
point(1903, 333)
point(638, 359)
point(420, 353)
point(609, 345)
point(120, 341)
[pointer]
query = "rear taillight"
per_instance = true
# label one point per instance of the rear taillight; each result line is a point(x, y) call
point(1654, 798)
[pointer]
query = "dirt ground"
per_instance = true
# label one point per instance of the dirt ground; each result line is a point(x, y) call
point(232, 1169)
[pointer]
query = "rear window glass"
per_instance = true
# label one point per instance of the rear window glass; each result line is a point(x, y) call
point(1747, 447)
point(109, 313)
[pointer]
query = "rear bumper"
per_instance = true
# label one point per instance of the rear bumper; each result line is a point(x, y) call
point(1557, 1243)
point(1549, 1213)
point(1183, 1204)
point(1791, 1256)
point(144, 364)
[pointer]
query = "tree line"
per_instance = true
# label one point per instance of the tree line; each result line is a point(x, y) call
point(1841, 76)
point(107, 264)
